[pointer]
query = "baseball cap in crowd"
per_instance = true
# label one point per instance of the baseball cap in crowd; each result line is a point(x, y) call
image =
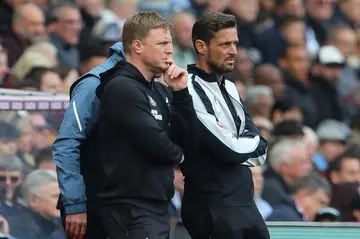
point(327, 214)
point(333, 130)
point(330, 56)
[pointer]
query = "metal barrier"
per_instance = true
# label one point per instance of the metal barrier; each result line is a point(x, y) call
point(297, 230)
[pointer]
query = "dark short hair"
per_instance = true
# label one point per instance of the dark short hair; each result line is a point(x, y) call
point(210, 23)
point(287, 20)
point(313, 182)
point(43, 155)
point(288, 127)
point(353, 151)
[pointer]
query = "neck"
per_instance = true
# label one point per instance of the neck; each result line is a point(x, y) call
point(140, 66)
point(205, 67)
point(288, 180)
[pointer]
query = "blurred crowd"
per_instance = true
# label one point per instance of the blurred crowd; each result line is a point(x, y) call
point(297, 70)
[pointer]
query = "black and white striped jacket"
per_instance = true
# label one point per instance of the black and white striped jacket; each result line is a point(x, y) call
point(229, 143)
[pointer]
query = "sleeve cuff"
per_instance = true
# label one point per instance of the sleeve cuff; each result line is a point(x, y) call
point(75, 208)
point(181, 96)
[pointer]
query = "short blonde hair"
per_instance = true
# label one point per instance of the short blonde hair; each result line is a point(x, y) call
point(139, 26)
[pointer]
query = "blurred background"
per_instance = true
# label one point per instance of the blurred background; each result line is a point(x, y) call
point(297, 70)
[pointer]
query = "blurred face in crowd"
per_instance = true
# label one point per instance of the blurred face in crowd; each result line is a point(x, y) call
point(245, 10)
point(40, 131)
point(271, 77)
point(221, 51)
point(124, 9)
point(183, 23)
point(216, 5)
point(93, 7)
point(320, 10)
point(294, 33)
point(329, 73)
point(312, 202)
point(9, 181)
point(346, 42)
point(258, 180)
point(244, 65)
point(45, 203)
point(349, 171)
point(293, 113)
point(292, 8)
point(8, 146)
point(351, 9)
point(24, 142)
point(331, 149)
point(264, 125)
point(51, 82)
point(69, 25)
point(31, 23)
point(263, 106)
point(3, 64)
point(91, 63)
point(298, 166)
point(296, 61)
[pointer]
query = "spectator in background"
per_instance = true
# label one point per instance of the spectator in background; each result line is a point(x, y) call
point(345, 168)
point(310, 194)
point(246, 12)
point(285, 110)
point(3, 65)
point(264, 17)
point(348, 12)
point(40, 133)
point(288, 161)
point(243, 69)
point(40, 54)
point(28, 26)
point(66, 33)
point(291, 31)
point(11, 177)
point(287, 129)
point(269, 75)
point(332, 136)
point(8, 138)
point(38, 218)
point(44, 159)
point(264, 125)
point(45, 80)
point(325, 73)
point(92, 54)
point(259, 101)
point(68, 76)
point(183, 48)
point(311, 141)
point(264, 207)
point(123, 8)
point(342, 200)
point(6, 14)
point(295, 64)
point(319, 14)
point(344, 39)
point(355, 206)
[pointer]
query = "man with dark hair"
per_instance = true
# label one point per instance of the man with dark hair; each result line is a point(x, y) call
point(285, 109)
point(92, 54)
point(44, 79)
point(44, 159)
point(221, 196)
point(141, 126)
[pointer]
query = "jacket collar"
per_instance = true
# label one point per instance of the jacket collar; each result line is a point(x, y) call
point(209, 77)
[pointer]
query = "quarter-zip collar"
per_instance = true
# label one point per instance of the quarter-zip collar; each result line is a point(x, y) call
point(209, 77)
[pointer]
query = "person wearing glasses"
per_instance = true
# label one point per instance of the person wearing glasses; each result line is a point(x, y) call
point(11, 177)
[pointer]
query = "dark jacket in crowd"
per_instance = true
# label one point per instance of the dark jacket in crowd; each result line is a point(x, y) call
point(15, 45)
point(30, 225)
point(6, 14)
point(141, 126)
point(326, 100)
point(286, 213)
point(276, 190)
point(300, 94)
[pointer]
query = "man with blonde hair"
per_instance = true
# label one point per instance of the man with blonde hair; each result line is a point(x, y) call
point(141, 127)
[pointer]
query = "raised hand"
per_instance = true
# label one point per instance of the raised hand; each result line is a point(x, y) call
point(175, 77)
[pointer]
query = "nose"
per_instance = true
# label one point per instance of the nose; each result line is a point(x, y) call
point(169, 49)
point(233, 49)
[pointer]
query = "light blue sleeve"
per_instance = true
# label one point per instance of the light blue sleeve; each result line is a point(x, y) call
point(79, 120)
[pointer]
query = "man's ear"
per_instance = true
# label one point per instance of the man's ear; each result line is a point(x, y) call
point(137, 46)
point(201, 47)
